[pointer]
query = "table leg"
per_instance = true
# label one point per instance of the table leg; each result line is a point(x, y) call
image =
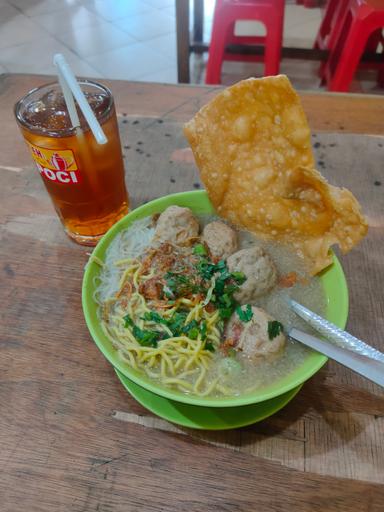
point(198, 20)
point(182, 35)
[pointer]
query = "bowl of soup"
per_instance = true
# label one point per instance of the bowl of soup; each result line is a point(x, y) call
point(197, 311)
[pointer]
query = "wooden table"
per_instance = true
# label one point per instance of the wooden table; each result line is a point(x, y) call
point(71, 438)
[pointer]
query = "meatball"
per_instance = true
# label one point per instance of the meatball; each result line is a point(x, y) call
point(176, 225)
point(220, 239)
point(259, 270)
point(252, 338)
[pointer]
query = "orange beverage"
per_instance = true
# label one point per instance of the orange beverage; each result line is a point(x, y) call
point(85, 180)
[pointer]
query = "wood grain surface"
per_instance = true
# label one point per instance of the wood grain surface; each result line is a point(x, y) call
point(72, 439)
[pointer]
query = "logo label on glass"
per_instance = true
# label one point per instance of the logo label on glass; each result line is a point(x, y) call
point(57, 165)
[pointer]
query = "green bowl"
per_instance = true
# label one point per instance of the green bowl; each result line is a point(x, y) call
point(333, 282)
point(206, 418)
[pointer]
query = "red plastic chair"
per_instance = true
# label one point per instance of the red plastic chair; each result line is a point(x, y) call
point(227, 12)
point(330, 24)
point(360, 28)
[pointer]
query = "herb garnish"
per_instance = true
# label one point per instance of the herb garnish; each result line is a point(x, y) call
point(180, 285)
point(225, 313)
point(246, 314)
point(176, 324)
point(193, 333)
point(146, 338)
point(209, 346)
point(239, 277)
point(128, 322)
point(152, 316)
point(206, 269)
point(274, 329)
point(186, 329)
point(203, 330)
point(226, 284)
point(223, 285)
point(200, 250)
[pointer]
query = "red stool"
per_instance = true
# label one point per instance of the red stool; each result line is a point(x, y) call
point(360, 28)
point(331, 23)
point(227, 12)
point(329, 29)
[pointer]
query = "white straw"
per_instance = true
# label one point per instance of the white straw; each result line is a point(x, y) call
point(69, 101)
point(67, 76)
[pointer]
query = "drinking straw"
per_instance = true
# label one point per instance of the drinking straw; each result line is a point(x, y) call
point(69, 101)
point(70, 85)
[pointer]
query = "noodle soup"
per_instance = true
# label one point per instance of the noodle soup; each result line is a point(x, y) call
point(182, 314)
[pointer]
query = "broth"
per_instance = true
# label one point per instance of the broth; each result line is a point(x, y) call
point(237, 374)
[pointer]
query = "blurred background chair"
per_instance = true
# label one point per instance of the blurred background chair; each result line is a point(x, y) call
point(226, 14)
point(330, 25)
point(349, 28)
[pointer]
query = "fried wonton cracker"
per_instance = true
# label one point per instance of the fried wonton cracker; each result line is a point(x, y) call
point(253, 148)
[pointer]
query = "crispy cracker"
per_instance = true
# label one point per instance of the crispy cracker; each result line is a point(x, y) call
point(253, 148)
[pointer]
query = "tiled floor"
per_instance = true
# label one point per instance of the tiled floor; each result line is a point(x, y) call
point(129, 39)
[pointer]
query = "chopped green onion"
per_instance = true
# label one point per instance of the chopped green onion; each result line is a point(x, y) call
point(200, 250)
point(168, 292)
point(146, 338)
point(274, 329)
point(239, 277)
point(193, 333)
point(176, 322)
point(203, 330)
point(220, 325)
point(221, 265)
point(226, 300)
point(231, 289)
point(225, 313)
point(244, 315)
point(152, 316)
point(128, 322)
point(189, 326)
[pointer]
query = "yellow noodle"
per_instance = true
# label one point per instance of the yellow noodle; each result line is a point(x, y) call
point(190, 362)
point(210, 388)
point(135, 279)
point(97, 260)
point(204, 362)
point(180, 383)
point(125, 261)
point(180, 362)
point(151, 374)
point(145, 277)
point(162, 368)
point(191, 314)
point(187, 374)
point(123, 278)
point(152, 361)
point(199, 380)
point(168, 361)
point(212, 319)
point(187, 302)
point(223, 389)
point(128, 357)
point(175, 358)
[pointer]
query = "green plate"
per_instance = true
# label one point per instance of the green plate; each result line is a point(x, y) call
point(333, 282)
point(206, 418)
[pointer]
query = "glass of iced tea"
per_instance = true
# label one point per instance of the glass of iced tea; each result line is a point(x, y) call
point(84, 179)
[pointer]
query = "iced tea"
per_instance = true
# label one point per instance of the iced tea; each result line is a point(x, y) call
point(85, 180)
